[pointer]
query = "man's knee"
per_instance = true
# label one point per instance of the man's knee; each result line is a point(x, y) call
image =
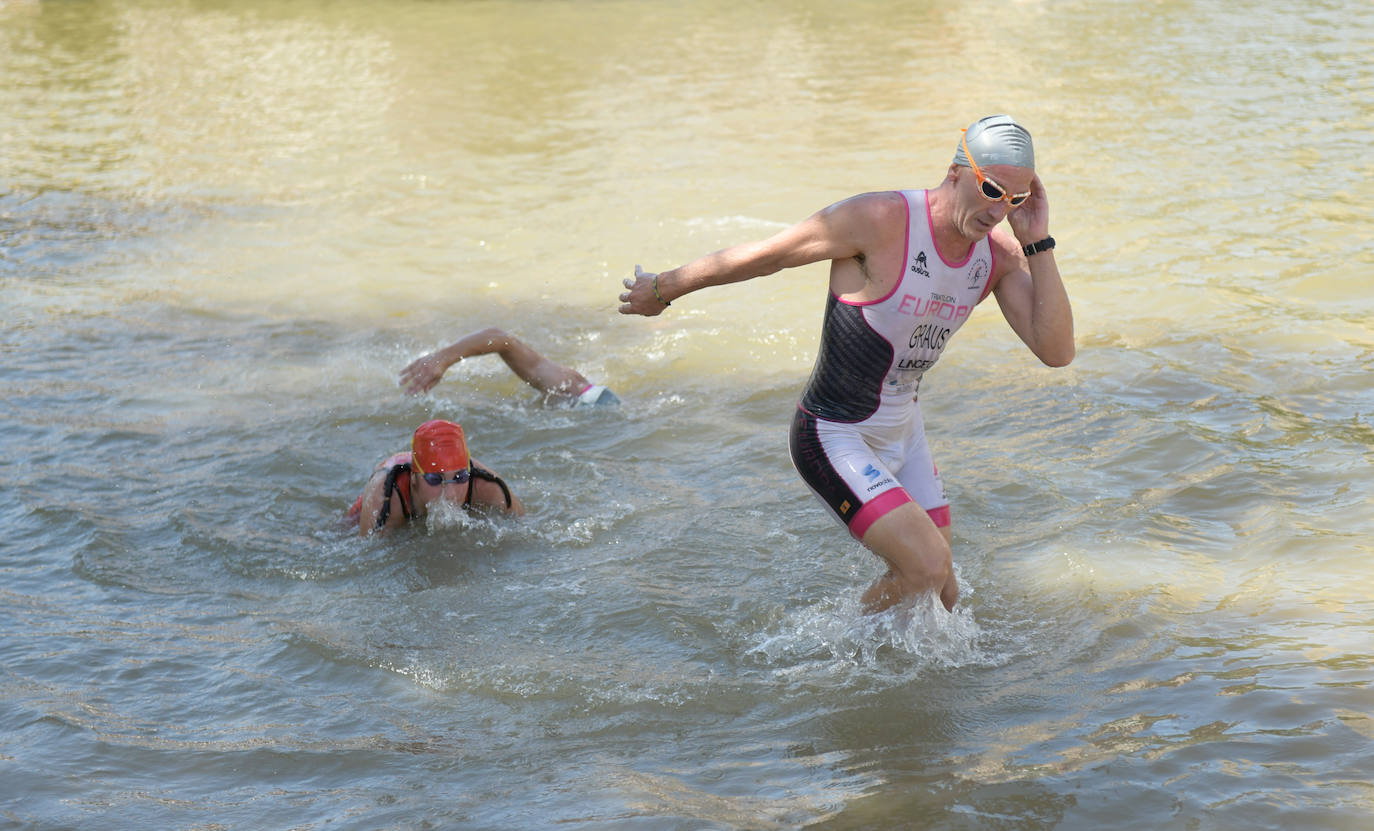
point(914, 548)
point(924, 569)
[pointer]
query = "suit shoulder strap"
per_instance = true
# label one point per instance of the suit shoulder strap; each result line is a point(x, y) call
point(401, 489)
point(479, 472)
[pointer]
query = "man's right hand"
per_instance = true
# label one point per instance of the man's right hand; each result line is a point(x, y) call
point(640, 298)
point(423, 373)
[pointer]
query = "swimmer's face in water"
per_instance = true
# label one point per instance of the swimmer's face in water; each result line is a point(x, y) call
point(446, 486)
point(447, 513)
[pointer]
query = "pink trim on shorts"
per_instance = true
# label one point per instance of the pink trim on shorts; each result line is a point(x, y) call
point(879, 507)
point(886, 503)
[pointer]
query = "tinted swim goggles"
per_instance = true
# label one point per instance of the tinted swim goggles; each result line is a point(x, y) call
point(991, 191)
point(437, 480)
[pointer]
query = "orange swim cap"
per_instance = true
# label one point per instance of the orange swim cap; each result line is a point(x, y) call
point(438, 446)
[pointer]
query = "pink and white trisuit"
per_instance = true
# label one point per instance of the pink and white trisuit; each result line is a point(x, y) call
point(857, 438)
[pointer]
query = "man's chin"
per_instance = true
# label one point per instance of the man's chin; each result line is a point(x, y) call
point(982, 227)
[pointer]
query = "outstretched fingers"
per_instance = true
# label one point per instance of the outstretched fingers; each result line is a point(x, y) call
point(420, 375)
point(638, 297)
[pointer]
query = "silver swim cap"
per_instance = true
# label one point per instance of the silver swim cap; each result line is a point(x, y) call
point(997, 139)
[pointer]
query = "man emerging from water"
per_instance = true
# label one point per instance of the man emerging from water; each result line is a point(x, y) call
point(906, 270)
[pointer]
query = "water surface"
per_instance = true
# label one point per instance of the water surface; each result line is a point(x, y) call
point(225, 227)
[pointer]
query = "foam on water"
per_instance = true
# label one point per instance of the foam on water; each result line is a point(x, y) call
point(835, 634)
point(447, 516)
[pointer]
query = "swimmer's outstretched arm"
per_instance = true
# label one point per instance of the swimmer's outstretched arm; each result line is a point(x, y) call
point(533, 368)
point(842, 230)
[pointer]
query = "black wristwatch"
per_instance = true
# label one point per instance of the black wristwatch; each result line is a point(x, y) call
point(1036, 247)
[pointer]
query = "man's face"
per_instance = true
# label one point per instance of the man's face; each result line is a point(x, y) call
point(451, 485)
point(981, 213)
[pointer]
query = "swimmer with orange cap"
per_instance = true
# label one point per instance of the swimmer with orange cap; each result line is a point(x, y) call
point(436, 467)
point(907, 269)
point(560, 385)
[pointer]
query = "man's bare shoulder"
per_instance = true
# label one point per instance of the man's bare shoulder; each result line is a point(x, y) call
point(371, 501)
point(377, 481)
point(869, 220)
point(875, 206)
point(487, 493)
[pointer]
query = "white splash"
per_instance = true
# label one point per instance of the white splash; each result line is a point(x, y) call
point(839, 632)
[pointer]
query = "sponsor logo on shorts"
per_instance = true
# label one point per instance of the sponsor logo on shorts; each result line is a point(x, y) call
point(876, 478)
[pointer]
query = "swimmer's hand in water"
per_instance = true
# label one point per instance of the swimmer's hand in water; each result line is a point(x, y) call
point(423, 373)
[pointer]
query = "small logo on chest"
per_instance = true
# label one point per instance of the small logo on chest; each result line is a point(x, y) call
point(978, 277)
point(918, 265)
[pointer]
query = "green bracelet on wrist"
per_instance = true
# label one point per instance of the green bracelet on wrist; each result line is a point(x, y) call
point(659, 296)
